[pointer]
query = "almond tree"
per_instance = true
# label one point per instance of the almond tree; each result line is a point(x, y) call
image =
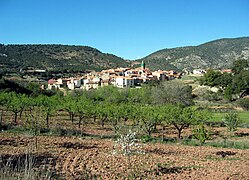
point(201, 134)
point(148, 117)
point(35, 121)
point(49, 105)
point(15, 103)
point(115, 113)
point(102, 112)
point(83, 108)
point(181, 117)
point(69, 104)
point(3, 101)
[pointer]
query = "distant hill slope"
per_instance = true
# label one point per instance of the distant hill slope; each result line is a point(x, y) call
point(215, 54)
point(57, 57)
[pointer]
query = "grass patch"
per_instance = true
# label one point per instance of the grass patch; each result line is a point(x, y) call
point(27, 166)
point(243, 144)
point(218, 116)
point(19, 130)
point(229, 144)
point(221, 143)
point(214, 158)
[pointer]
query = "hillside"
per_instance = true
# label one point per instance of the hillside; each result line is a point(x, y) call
point(64, 58)
point(215, 54)
point(56, 58)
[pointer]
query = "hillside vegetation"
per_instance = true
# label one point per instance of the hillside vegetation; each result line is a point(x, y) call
point(215, 54)
point(56, 58)
point(64, 58)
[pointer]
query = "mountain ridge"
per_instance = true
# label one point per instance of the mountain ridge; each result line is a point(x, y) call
point(216, 54)
point(57, 57)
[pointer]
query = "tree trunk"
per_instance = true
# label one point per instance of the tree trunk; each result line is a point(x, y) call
point(47, 121)
point(179, 134)
point(103, 122)
point(20, 115)
point(154, 128)
point(15, 117)
point(94, 118)
point(179, 131)
point(36, 140)
point(71, 115)
point(149, 132)
point(1, 119)
point(80, 120)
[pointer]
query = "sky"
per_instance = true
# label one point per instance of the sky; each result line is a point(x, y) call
point(130, 29)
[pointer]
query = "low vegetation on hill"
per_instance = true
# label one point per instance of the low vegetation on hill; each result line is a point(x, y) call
point(215, 54)
point(65, 58)
point(60, 58)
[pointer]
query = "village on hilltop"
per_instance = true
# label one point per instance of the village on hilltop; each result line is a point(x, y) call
point(119, 77)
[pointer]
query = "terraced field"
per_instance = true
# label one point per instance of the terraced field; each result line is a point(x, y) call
point(89, 158)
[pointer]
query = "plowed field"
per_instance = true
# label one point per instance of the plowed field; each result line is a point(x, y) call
point(78, 158)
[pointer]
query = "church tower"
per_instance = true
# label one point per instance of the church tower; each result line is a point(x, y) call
point(142, 65)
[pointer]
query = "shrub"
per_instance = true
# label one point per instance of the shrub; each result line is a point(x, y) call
point(232, 121)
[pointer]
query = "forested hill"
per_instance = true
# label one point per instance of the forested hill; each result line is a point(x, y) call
point(56, 58)
point(215, 54)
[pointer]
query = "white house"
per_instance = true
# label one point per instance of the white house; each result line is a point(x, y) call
point(199, 71)
point(122, 82)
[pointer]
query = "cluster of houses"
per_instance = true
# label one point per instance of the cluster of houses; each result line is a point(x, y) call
point(120, 77)
point(203, 71)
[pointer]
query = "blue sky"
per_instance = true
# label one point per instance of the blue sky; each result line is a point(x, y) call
point(130, 29)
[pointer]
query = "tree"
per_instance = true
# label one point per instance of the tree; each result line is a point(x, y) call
point(102, 112)
point(36, 121)
point(83, 108)
point(201, 134)
point(140, 95)
point(211, 78)
point(3, 101)
point(15, 103)
point(181, 117)
point(244, 103)
point(115, 114)
point(232, 121)
point(240, 82)
point(49, 105)
point(224, 80)
point(228, 93)
point(239, 65)
point(147, 118)
point(173, 92)
point(69, 104)
point(112, 94)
